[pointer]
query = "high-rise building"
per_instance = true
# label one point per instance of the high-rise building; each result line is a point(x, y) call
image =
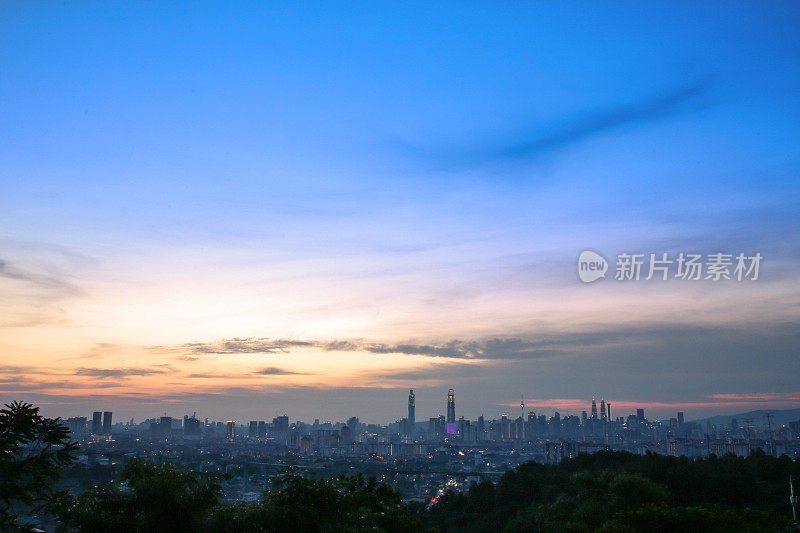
point(412, 411)
point(346, 434)
point(608, 408)
point(192, 429)
point(97, 422)
point(451, 412)
point(437, 426)
point(230, 432)
point(163, 428)
point(253, 434)
point(166, 425)
point(640, 415)
point(262, 429)
point(280, 424)
point(107, 423)
point(77, 425)
point(355, 426)
point(680, 418)
point(602, 409)
point(594, 409)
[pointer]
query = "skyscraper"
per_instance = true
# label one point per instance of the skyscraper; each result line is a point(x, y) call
point(231, 430)
point(602, 409)
point(451, 412)
point(97, 422)
point(412, 412)
point(354, 425)
point(280, 424)
point(191, 427)
point(594, 409)
point(107, 423)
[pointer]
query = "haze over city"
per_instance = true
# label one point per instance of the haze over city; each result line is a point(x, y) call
point(311, 210)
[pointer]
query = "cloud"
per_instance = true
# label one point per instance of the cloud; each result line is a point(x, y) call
point(623, 338)
point(214, 375)
point(26, 385)
point(31, 299)
point(15, 369)
point(542, 139)
point(97, 351)
point(758, 396)
point(496, 348)
point(427, 375)
point(274, 371)
point(269, 371)
point(120, 372)
point(237, 346)
point(487, 349)
point(51, 283)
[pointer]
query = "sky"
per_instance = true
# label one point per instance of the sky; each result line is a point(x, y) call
point(274, 208)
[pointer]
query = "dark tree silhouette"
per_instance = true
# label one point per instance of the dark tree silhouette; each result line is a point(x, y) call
point(621, 491)
point(346, 504)
point(33, 449)
point(150, 497)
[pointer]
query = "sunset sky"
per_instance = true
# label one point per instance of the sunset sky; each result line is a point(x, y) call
point(309, 209)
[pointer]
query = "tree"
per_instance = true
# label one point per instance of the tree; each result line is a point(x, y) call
point(33, 449)
point(621, 491)
point(149, 497)
point(343, 504)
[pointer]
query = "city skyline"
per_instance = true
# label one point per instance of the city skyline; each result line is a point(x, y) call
point(229, 210)
point(580, 408)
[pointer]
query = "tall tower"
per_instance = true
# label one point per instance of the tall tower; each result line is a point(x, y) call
point(451, 412)
point(107, 423)
point(97, 422)
point(603, 409)
point(594, 409)
point(412, 412)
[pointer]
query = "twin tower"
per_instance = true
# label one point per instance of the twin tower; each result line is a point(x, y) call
point(450, 420)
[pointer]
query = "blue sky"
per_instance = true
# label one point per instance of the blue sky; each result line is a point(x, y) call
point(413, 173)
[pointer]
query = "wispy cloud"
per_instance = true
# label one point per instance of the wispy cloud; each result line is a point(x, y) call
point(18, 369)
point(235, 346)
point(275, 371)
point(217, 375)
point(120, 372)
point(527, 346)
point(499, 348)
point(758, 396)
point(543, 138)
point(485, 349)
point(269, 371)
point(53, 283)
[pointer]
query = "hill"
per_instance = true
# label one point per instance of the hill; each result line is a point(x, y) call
point(780, 417)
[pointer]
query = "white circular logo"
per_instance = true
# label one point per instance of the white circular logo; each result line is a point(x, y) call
point(591, 266)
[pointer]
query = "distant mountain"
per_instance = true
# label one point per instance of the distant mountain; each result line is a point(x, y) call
point(780, 417)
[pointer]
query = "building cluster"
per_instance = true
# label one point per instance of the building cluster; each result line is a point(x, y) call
point(594, 429)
